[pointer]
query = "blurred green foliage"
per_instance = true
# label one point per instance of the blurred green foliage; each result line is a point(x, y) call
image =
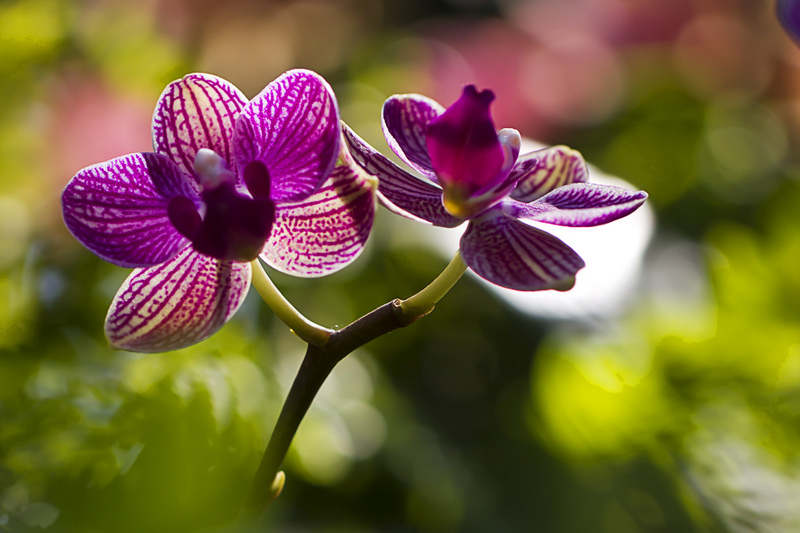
point(680, 414)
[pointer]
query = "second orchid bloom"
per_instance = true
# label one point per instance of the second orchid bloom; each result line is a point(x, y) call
point(471, 172)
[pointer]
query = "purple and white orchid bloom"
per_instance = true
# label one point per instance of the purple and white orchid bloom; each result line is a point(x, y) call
point(473, 172)
point(229, 180)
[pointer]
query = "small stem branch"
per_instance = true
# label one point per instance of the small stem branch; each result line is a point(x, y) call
point(325, 349)
point(307, 330)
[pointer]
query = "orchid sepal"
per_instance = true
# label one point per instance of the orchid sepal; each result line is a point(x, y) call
point(119, 209)
point(398, 190)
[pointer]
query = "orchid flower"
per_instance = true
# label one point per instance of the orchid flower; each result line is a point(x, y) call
point(471, 172)
point(229, 181)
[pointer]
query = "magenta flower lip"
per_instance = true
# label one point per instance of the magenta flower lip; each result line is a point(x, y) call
point(473, 172)
point(227, 182)
point(462, 142)
point(230, 226)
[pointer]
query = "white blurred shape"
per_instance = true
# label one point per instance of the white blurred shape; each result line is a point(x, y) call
point(39, 515)
point(675, 286)
point(613, 253)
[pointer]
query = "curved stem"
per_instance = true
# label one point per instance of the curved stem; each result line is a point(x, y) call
point(307, 330)
point(322, 357)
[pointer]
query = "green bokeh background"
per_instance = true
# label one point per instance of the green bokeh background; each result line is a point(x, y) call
point(678, 413)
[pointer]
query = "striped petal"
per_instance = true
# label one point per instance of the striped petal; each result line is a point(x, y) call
point(512, 254)
point(405, 119)
point(118, 209)
point(326, 231)
point(543, 171)
point(579, 204)
point(198, 111)
point(402, 193)
point(175, 304)
point(292, 127)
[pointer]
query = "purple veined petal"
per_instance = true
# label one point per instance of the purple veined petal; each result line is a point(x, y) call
point(788, 12)
point(175, 304)
point(197, 111)
point(405, 119)
point(579, 204)
point(328, 230)
point(292, 127)
point(402, 193)
point(118, 209)
point(545, 170)
point(512, 254)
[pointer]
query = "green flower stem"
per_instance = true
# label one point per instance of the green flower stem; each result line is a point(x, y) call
point(319, 361)
point(307, 330)
point(423, 302)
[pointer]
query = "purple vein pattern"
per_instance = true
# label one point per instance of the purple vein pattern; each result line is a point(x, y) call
point(200, 112)
point(402, 193)
point(548, 186)
point(177, 303)
point(296, 136)
point(505, 248)
point(120, 215)
point(326, 231)
point(545, 170)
